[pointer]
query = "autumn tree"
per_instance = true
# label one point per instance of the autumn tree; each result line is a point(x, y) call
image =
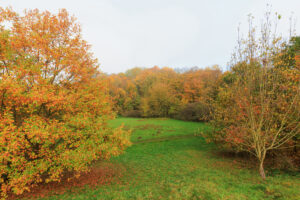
point(160, 101)
point(198, 85)
point(198, 90)
point(257, 107)
point(133, 72)
point(53, 108)
point(146, 78)
point(123, 92)
point(157, 88)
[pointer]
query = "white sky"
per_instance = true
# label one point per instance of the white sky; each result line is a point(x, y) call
point(174, 33)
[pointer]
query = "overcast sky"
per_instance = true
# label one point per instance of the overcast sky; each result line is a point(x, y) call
point(174, 33)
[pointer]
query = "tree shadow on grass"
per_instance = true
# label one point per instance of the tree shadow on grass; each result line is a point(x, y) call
point(248, 161)
point(102, 174)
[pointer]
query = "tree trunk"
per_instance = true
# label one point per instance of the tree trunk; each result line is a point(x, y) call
point(261, 170)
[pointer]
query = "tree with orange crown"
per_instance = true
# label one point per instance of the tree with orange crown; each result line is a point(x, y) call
point(53, 108)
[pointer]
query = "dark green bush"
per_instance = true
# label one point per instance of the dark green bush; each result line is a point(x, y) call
point(197, 111)
point(132, 113)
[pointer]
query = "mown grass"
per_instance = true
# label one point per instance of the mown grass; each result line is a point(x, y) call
point(147, 129)
point(164, 164)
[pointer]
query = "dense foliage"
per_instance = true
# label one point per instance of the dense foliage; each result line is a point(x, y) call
point(53, 108)
point(163, 92)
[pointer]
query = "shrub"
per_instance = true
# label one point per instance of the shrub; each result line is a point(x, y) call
point(195, 112)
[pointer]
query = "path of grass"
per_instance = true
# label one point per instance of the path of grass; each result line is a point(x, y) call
point(144, 129)
point(167, 162)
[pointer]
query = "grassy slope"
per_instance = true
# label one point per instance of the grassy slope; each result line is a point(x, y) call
point(182, 168)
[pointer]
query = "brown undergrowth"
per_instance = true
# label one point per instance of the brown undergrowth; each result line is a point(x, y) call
point(101, 174)
point(283, 162)
point(239, 160)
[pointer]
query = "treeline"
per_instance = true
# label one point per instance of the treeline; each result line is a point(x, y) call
point(164, 92)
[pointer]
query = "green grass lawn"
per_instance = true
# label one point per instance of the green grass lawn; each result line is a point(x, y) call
point(152, 129)
point(168, 161)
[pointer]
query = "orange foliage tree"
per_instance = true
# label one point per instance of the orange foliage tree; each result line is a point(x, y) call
point(146, 78)
point(198, 90)
point(123, 92)
point(160, 101)
point(157, 88)
point(198, 85)
point(257, 109)
point(53, 108)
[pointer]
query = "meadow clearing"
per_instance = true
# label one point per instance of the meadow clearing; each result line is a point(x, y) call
point(169, 160)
